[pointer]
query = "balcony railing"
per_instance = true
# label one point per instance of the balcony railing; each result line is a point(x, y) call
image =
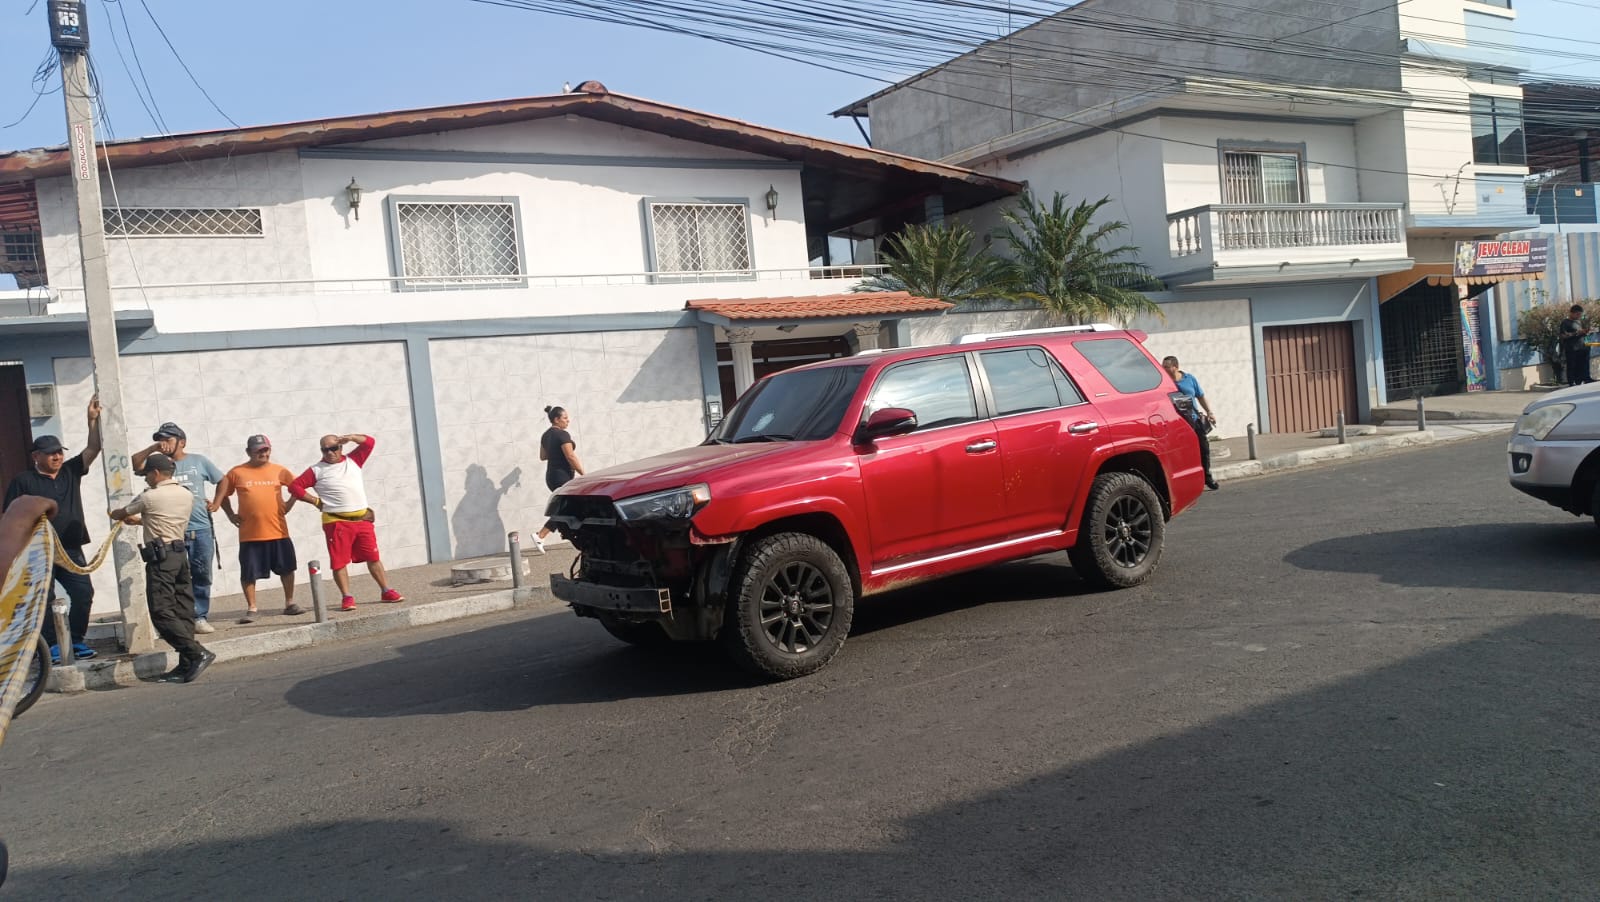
point(1219, 228)
point(404, 284)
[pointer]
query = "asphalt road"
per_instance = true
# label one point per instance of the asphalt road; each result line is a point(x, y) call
point(1375, 679)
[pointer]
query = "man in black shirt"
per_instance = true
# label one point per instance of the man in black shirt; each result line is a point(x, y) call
point(1573, 349)
point(56, 477)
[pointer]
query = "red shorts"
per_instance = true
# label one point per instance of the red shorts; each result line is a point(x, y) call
point(350, 540)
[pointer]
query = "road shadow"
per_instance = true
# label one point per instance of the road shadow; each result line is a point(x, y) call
point(1464, 772)
point(1532, 557)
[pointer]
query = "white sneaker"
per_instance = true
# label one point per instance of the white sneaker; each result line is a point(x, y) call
point(201, 626)
point(538, 543)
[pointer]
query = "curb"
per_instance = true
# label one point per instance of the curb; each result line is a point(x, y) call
point(125, 671)
point(1311, 456)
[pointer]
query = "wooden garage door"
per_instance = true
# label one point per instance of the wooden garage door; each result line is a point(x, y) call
point(1311, 376)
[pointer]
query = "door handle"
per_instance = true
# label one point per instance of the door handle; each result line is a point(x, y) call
point(980, 447)
point(1083, 428)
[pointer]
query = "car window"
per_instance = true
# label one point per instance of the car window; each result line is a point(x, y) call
point(938, 391)
point(801, 405)
point(1122, 363)
point(1023, 379)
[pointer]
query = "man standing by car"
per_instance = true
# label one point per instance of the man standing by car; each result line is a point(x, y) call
point(1201, 419)
point(1574, 353)
point(193, 472)
point(335, 485)
point(58, 478)
point(164, 510)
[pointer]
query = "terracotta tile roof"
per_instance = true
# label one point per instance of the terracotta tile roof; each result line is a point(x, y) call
point(868, 303)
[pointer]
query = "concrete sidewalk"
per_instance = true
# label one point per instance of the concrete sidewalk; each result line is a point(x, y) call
point(432, 598)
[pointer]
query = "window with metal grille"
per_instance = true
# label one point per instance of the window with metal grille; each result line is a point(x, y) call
point(1251, 177)
point(1497, 132)
point(451, 242)
point(700, 238)
point(182, 222)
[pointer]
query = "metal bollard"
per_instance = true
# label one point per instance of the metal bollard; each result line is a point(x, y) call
point(1422, 415)
point(319, 607)
point(58, 610)
point(514, 539)
point(1250, 439)
point(1339, 423)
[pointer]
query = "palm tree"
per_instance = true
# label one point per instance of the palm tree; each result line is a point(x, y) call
point(937, 261)
point(1060, 261)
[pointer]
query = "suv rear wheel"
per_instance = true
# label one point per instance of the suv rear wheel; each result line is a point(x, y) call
point(1119, 542)
point(789, 606)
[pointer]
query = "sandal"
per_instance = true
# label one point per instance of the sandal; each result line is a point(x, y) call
point(249, 617)
point(293, 610)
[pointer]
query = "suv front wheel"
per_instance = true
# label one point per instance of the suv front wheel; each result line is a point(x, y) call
point(1119, 543)
point(789, 606)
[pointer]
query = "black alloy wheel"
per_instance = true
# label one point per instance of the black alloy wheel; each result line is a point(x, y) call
point(1120, 538)
point(789, 607)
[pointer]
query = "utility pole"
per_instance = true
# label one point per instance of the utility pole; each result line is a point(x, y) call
point(69, 33)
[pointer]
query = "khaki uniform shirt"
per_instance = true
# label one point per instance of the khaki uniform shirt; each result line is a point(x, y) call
point(165, 509)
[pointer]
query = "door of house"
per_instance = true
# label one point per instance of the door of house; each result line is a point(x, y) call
point(1311, 376)
point(16, 429)
point(1422, 350)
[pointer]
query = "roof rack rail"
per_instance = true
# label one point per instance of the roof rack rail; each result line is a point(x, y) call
point(975, 337)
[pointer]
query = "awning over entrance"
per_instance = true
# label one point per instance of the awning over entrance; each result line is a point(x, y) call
point(856, 316)
point(854, 306)
point(1437, 274)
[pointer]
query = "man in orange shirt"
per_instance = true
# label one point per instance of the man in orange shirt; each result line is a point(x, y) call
point(264, 545)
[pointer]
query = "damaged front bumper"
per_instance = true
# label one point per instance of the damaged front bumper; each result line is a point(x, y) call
point(613, 599)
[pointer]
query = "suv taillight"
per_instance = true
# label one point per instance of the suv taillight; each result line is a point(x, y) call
point(1182, 403)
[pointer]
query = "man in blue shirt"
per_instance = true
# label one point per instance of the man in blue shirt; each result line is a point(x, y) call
point(1200, 421)
point(193, 472)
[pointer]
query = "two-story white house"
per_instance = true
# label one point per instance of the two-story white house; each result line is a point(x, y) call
point(436, 277)
point(1304, 173)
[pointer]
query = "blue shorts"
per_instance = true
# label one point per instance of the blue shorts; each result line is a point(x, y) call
point(258, 560)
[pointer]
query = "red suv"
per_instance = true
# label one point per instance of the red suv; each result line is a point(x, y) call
point(841, 479)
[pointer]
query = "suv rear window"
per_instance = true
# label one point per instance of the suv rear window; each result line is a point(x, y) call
point(1122, 363)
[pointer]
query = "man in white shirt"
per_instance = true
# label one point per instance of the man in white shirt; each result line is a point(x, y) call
point(335, 485)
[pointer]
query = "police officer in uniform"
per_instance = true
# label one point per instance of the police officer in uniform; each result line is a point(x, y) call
point(164, 509)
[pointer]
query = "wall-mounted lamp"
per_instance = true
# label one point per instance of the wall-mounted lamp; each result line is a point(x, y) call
point(772, 201)
point(352, 193)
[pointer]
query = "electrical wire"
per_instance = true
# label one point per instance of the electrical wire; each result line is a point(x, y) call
point(151, 108)
point(42, 75)
point(187, 71)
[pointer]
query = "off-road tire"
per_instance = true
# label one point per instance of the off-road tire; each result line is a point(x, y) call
point(1123, 529)
point(39, 674)
point(644, 635)
point(1594, 503)
point(798, 585)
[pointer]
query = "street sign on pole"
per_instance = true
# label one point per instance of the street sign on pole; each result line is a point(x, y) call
point(137, 635)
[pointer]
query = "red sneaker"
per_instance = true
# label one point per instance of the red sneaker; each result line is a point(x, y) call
point(349, 603)
point(391, 596)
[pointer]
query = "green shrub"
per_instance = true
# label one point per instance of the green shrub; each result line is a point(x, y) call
point(1540, 327)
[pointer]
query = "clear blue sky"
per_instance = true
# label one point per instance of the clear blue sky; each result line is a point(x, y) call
point(295, 59)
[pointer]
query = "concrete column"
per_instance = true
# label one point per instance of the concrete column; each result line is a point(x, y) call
point(864, 336)
point(740, 343)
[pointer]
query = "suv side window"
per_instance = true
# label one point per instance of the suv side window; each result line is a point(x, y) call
point(1024, 379)
point(938, 391)
point(1122, 363)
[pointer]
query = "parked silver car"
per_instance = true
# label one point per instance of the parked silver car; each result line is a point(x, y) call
point(1555, 450)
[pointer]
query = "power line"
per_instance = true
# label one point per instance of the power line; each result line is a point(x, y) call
point(179, 57)
point(42, 75)
point(151, 108)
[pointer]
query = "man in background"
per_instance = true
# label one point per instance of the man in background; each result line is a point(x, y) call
point(335, 485)
point(193, 472)
point(262, 519)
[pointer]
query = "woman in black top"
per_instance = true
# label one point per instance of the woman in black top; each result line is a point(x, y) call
point(560, 454)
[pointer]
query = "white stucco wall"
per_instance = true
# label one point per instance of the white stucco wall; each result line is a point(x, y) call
point(220, 398)
point(269, 181)
point(1192, 164)
point(630, 395)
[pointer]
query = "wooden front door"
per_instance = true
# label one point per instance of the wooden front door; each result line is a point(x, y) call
point(1311, 376)
point(16, 429)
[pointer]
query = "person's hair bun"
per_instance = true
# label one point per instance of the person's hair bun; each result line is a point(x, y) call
point(548, 408)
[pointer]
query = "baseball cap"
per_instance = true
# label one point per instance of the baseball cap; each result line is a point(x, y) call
point(161, 462)
point(172, 430)
point(256, 443)
point(48, 444)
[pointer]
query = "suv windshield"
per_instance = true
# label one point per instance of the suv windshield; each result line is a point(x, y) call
point(801, 405)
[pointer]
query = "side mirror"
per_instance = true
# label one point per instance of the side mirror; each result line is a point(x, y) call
point(886, 422)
